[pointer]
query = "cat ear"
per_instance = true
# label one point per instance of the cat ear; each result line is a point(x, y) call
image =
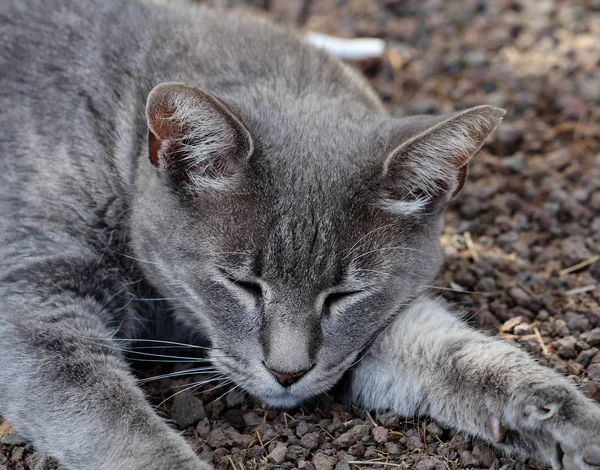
point(430, 168)
point(193, 136)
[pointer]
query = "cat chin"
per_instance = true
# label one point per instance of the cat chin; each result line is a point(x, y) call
point(283, 401)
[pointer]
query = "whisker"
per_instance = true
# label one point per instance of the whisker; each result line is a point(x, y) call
point(167, 356)
point(140, 260)
point(351, 249)
point(226, 393)
point(172, 343)
point(192, 386)
point(204, 382)
point(460, 291)
point(155, 299)
point(386, 248)
point(179, 374)
point(355, 363)
point(160, 361)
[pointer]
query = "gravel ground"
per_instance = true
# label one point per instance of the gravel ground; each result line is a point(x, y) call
point(521, 242)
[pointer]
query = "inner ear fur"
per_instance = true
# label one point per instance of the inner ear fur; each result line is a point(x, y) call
point(194, 136)
point(432, 164)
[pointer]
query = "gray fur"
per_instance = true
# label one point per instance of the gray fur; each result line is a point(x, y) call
point(276, 183)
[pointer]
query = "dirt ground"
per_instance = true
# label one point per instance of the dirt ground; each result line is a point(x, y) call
point(522, 241)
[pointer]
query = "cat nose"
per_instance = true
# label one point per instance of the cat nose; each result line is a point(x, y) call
point(287, 379)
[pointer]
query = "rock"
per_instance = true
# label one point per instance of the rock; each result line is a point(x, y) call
point(187, 410)
point(434, 430)
point(357, 450)
point(39, 461)
point(277, 455)
point(460, 441)
point(203, 428)
point(217, 438)
point(392, 448)
point(414, 442)
point(575, 250)
point(521, 297)
point(388, 419)
point(304, 428)
point(486, 284)
point(252, 420)
point(592, 390)
point(310, 440)
point(560, 327)
point(235, 398)
point(593, 370)
point(566, 347)
point(574, 368)
point(380, 434)
point(322, 461)
point(484, 455)
point(17, 454)
point(303, 464)
point(593, 338)
point(585, 357)
point(237, 439)
point(431, 463)
point(342, 465)
point(559, 159)
point(234, 417)
point(595, 227)
point(258, 452)
point(577, 321)
point(467, 459)
point(295, 453)
point(506, 139)
point(361, 430)
point(345, 440)
point(595, 201)
point(515, 164)
point(371, 453)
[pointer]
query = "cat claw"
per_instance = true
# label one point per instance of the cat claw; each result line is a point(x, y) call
point(542, 412)
point(496, 429)
point(548, 411)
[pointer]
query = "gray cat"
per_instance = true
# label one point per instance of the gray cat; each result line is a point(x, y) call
point(160, 152)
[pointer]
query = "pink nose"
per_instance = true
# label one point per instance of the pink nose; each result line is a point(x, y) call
point(287, 379)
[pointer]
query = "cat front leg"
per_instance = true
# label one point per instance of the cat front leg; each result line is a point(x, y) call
point(428, 362)
point(63, 384)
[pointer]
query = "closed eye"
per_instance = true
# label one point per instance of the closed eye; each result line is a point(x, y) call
point(333, 299)
point(252, 288)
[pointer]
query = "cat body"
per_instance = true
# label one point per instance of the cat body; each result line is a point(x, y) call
point(257, 188)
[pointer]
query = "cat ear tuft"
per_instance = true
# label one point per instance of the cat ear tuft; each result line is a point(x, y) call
point(194, 137)
point(430, 168)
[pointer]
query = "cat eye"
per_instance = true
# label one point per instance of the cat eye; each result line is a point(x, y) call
point(334, 298)
point(252, 288)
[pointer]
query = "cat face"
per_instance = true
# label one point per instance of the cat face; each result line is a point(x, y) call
point(293, 259)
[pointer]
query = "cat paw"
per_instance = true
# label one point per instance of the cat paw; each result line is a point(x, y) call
point(558, 422)
point(585, 458)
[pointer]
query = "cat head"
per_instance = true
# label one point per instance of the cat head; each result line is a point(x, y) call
point(292, 234)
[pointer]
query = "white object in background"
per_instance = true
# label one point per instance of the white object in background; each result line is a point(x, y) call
point(348, 49)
